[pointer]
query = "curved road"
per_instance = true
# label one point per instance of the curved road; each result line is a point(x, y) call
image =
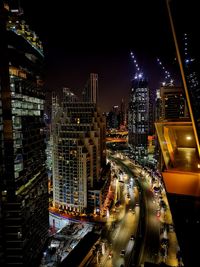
point(151, 244)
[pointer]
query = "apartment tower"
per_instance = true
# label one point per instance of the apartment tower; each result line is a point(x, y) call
point(78, 151)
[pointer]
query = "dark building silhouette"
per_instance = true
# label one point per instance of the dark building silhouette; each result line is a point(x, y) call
point(173, 103)
point(24, 192)
point(90, 92)
point(123, 114)
point(113, 118)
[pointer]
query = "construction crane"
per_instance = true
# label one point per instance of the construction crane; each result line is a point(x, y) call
point(138, 72)
point(167, 76)
point(187, 52)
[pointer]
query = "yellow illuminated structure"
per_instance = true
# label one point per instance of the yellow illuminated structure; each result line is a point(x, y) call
point(180, 155)
point(179, 141)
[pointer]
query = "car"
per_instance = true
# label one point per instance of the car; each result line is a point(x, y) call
point(110, 255)
point(164, 241)
point(122, 252)
point(132, 237)
point(118, 203)
point(158, 213)
point(171, 228)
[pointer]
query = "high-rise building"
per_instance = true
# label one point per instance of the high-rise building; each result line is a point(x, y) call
point(113, 118)
point(24, 194)
point(138, 116)
point(172, 103)
point(123, 114)
point(90, 92)
point(152, 103)
point(78, 151)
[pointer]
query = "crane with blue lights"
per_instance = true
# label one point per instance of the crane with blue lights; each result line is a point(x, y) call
point(187, 56)
point(138, 73)
point(167, 76)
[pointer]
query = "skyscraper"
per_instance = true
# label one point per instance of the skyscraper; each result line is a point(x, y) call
point(138, 116)
point(78, 151)
point(24, 199)
point(90, 92)
point(173, 103)
point(113, 118)
point(123, 114)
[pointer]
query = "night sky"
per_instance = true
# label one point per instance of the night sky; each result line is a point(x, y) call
point(80, 37)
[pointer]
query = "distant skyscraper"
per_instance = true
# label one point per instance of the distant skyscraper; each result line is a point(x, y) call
point(152, 102)
point(90, 92)
point(123, 114)
point(24, 199)
point(172, 103)
point(138, 116)
point(78, 151)
point(113, 118)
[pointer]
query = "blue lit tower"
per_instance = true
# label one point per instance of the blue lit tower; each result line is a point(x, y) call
point(138, 113)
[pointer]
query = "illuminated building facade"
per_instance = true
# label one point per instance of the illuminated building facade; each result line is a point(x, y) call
point(78, 151)
point(24, 194)
point(138, 116)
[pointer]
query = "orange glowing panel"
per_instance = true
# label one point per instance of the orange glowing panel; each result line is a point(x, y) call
point(168, 143)
point(182, 183)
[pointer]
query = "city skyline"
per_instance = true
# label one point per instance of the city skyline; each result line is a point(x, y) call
point(133, 173)
point(74, 50)
point(100, 40)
